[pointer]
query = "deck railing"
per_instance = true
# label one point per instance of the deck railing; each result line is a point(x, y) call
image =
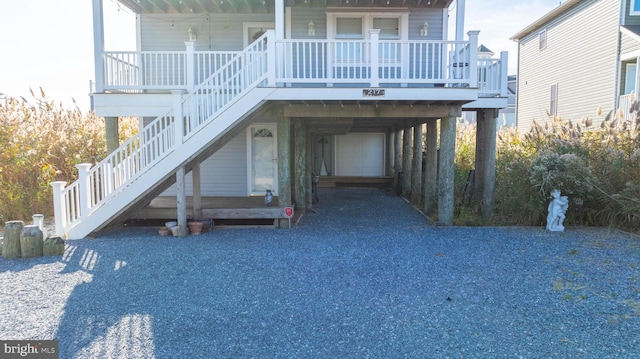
point(97, 185)
point(624, 105)
point(372, 62)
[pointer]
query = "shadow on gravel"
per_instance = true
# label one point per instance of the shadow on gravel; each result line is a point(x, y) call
point(364, 276)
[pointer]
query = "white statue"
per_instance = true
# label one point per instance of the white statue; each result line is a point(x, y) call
point(557, 209)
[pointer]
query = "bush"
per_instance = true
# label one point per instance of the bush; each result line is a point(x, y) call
point(597, 167)
point(41, 143)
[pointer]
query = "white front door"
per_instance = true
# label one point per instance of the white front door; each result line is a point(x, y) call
point(263, 159)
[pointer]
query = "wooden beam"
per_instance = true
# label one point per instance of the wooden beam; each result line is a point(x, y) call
point(284, 162)
point(446, 168)
point(397, 159)
point(416, 167)
point(181, 198)
point(407, 154)
point(300, 162)
point(197, 191)
point(491, 120)
point(112, 134)
point(369, 111)
point(430, 175)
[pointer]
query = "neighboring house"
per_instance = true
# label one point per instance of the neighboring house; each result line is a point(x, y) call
point(580, 56)
point(237, 97)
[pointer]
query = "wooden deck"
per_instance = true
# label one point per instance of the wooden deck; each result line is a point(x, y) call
point(216, 208)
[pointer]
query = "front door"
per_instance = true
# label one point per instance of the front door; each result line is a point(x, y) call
point(263, 159)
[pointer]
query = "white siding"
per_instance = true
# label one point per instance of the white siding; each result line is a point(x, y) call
point(222, 174)
point(581, 57)
point(360, 154)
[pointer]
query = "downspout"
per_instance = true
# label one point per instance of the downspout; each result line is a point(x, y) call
point(98, 45)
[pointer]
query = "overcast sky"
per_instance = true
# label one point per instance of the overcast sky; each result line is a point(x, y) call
point(49, 44)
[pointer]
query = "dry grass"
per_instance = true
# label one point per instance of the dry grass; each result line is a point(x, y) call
point(42, 142)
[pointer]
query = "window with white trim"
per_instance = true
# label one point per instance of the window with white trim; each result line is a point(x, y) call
point(542, 39)
point(634, 10)
point(553, 101)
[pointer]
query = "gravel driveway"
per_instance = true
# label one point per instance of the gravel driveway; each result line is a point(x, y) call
point(364, 277)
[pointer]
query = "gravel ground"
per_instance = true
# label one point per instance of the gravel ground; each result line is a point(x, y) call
point(364, 277)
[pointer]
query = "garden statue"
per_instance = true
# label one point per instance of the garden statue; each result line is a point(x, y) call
point(268, 198)
point(557, 209)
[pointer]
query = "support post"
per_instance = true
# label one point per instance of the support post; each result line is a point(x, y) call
point(416, 167)
point(197, 191)
point(181, 198)
point(300, 160)
point(478, 181)
point(491, 119)
point(98, 44)
point(85, 188)
point(430, 175)
point(397, 160)
point(284, 164)
point(407, 140)
point(191, 64)
point(178, 116)
point(111, 133)
point(389, 170)
point(446, 168)
point(308, 185)
point(59, 207)
point(374, 59)
point(473, 58)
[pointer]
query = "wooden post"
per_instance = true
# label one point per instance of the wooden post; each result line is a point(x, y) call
point(478, 182)
point(181, 198)
point(389, 170)
point(31, 242)
point(300, 159)
point(11, 243)
point(53, 246)
point(407, 153)
point(416, 173)
point(431, 169)
point(111, 133)
point(397, 159)
point(309, 168)
point(489, 182)
point(446, 168)
point(197, 191)
point(284, 164)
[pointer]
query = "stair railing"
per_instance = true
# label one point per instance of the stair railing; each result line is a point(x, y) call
point(95, 186)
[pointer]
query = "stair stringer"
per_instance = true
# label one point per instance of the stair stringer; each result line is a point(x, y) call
point(179, 156)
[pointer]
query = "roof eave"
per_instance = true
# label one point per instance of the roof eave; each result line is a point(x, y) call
point(544, 19)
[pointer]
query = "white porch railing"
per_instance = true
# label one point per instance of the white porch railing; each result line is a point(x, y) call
point(371, 62)
point(624, 105)
point(100, 184)
point(131, 71)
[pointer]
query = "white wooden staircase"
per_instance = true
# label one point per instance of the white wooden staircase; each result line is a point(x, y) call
point(146, 162)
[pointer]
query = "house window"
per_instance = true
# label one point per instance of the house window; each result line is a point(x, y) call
point(635, 8)
point(389, 27)
point(349, 28)
point(553, 102)
point(542, 39)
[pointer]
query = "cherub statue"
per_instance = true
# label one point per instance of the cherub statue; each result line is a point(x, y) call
point(557, 209)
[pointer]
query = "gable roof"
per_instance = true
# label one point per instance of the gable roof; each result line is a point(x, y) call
point(536, 25)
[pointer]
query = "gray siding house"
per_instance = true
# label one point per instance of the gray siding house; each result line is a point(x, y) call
point(239, 97)
point(580, 56)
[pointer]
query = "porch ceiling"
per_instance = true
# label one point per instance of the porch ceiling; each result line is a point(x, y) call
point(264, 6)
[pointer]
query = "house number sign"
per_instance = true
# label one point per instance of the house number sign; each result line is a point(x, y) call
point(373, 93)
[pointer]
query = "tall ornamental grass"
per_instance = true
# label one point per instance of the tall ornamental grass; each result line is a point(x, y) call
point(597, 167)
point(41, 142)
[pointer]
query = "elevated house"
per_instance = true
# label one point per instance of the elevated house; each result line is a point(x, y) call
point(581, 55)
point(237, 97)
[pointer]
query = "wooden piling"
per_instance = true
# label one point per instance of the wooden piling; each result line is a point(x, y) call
point(31, 242)
point(11, 244)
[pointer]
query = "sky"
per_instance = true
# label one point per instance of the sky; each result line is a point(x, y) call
point(49, 44)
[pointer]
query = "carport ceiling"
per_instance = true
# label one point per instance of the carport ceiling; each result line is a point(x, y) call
point(265, 6)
